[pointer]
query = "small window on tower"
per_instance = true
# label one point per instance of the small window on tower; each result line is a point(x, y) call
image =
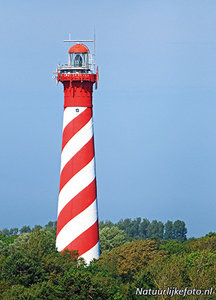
point(78, 61)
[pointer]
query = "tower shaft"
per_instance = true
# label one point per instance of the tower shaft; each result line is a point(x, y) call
point(77, 223)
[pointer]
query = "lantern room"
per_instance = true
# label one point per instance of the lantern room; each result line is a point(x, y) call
point(78, 58)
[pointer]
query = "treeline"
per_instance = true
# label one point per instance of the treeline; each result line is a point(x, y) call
point(145, 229)
point(25, 229)
point(116, 234)
point(31, 268)
point(135, 229)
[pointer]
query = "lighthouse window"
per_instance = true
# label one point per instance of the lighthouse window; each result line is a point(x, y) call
point(78, 61)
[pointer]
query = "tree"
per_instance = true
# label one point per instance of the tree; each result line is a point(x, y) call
point(103, 224)
point(173, 246)
point(144, 228)
point(5, 231)
point(2, 247)
point(19, 243)
point(160, 230)
point(25, 229)
point(37, 227)
point(125, 225)
point(155, 230)
point(111, 237)
point(179, 231)
point(50, 224)
point(131, 227)
point(130, 258)
point(134, 229)
point(210, 234)
point(13, 231)
point(168, 234)
point(19, 268)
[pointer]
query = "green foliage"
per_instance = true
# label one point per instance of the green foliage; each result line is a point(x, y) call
point(25, 229)
point(179, 230)
point(134, 229)
point(210, 234)
point(7, 240)
point(174, 246)
point(13, 231)
point(37, 227)
point(5, 231)
point(19, 268)
point(111, 237)
point(145, 280)
point(144, 228)
point(155, 230)
point(50, 224)
point(130, 258)
point(168, 234)
point(107, 223)
point(131, 227)
point(31, 268)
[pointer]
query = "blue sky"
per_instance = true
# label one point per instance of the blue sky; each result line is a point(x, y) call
point(154, 111)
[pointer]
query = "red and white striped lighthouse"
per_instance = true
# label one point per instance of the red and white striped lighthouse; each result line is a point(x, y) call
point(77, 223)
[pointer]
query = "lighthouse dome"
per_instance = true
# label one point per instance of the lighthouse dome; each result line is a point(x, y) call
point(79, 48)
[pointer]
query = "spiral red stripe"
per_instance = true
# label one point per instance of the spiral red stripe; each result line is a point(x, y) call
point(86, 240)
point(77, 224)
point(78, 204)
point(77, 162)
point(75, 125)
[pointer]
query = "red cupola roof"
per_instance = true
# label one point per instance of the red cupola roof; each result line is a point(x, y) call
point(79, 48)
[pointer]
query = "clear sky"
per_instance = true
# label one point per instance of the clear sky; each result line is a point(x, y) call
point(154, 111)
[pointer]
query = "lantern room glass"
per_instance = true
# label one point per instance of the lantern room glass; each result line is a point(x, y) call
point(78, 60)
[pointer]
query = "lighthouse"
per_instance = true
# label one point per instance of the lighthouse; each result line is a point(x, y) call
point(77, 222)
